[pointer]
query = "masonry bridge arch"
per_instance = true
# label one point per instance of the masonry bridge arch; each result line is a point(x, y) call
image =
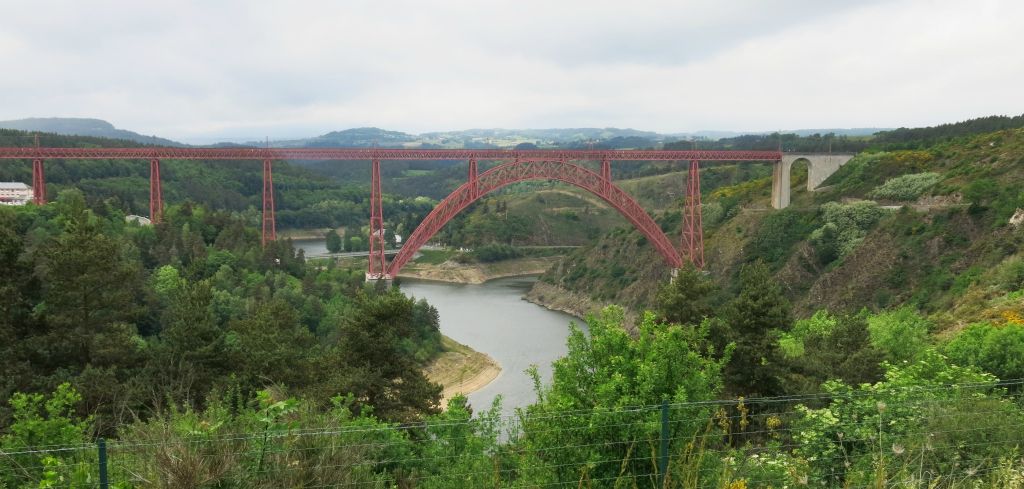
point(820, 166)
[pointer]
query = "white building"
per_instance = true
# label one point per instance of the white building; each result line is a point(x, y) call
point(15, 193)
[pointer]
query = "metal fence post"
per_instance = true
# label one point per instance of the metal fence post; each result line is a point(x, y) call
point(102, 445)
point(663, 453)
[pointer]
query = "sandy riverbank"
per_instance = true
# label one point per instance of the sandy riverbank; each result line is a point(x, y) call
point(461, 369)
point(477, 273)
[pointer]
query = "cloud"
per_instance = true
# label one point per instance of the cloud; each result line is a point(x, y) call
point(197, 70)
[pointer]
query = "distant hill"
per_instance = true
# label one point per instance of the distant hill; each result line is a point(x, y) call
point(73, 126)
point(478, 138)
point(716, 135)
point(919, 137)
point(553, 136)
point(366, 137)
point(580, 137)
point(361, 137)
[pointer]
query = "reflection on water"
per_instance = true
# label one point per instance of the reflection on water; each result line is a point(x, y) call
point(492, 318)
point(312, 247)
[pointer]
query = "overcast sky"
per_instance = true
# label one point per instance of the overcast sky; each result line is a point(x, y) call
point(202, 70)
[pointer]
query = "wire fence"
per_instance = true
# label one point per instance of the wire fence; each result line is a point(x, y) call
point(963, 435)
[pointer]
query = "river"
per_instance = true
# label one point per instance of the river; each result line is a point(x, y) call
point(311, 247)
point(492, 318)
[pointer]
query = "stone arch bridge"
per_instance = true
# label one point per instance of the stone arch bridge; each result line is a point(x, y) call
point(820, 166)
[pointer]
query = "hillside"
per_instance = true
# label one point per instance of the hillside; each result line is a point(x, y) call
point(73, 126)
point(304, 198)
point(938, 228)
point(363, 137)
point(555, 214)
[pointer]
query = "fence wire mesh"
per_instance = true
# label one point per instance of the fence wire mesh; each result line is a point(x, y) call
point(965, 435)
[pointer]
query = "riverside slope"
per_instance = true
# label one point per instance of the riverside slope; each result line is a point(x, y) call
point(478, 273)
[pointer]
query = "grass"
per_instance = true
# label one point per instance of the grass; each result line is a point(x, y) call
point(434, 257)
point(417, 173)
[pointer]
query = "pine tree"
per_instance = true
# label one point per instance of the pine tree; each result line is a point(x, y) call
point(370, 361)
point(89, 286)
point(754, 320)
point(191, 352)
point(687, 299)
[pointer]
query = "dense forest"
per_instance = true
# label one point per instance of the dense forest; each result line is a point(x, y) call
point(138, 319)
point(896, 139)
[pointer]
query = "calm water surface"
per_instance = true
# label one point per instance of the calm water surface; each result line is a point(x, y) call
point(312, 247)
point(492, 318)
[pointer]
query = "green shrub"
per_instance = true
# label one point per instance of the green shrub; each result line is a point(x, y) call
point(792, 342)
point(912, 411)
point(902, 333)
point(713, 213)
point(777, 234)
point(906, 187)
point(997, 350)
point(844, 229)
point(43, 422)
point(825, 241)
point(333, 242)
point(495, 252)
point(1010, 274)
point(860, 215)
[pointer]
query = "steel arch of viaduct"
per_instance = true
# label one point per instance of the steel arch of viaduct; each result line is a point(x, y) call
point(518, 171)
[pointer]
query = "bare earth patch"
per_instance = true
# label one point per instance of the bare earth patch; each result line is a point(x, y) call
point(478, 273)
point(461, 369)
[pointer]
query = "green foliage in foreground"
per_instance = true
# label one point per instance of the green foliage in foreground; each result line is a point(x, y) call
point(606, 373)
point(902, 333)
point(911, 425)
point(926, 424)
point(996, 349)
point(139, 319)
point(598, 421)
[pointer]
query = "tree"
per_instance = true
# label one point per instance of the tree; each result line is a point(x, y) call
point(15, 309)
point(902, 334)
point(369, 361)
point(334, 244)
point(996, 349)
point(686, 300)
point(89, 285)
point(43, 421)
point(189, 355)
point(754, 320)
point(606, 372)
point(826, 348)
point(270, 346)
